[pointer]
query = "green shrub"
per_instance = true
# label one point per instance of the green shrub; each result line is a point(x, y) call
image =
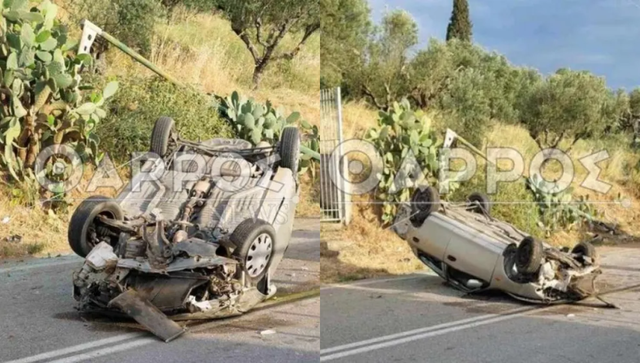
point(256, 122)
point(513, 202)
point(402, 131)
point(557, 208)
point(131, 21)
point(142, 101)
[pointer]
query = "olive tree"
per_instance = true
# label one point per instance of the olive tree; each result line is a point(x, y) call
point(382, 75)
point(262, 25)
point(568, 105)
point(345, 28)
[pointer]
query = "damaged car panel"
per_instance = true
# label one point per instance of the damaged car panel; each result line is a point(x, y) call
point(473, 252)
point(198, 239)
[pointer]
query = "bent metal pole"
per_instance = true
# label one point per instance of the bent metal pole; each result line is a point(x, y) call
point(89, 33)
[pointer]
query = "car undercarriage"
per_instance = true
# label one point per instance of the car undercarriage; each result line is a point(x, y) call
point(192, 240)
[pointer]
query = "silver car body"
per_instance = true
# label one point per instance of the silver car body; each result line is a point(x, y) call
point(475, 252)
point(139, 286)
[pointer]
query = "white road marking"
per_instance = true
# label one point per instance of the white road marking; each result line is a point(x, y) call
point(29, 266)
point(427, 334)
point(134, 340)
point(418, 331)
point(106, 351)
point(77, 348)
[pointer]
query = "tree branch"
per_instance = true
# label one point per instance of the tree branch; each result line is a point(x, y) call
point(308, 32)
point(240, 31)
point(258, 25)
point(367, 92)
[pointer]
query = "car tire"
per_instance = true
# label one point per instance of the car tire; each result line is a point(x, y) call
point(255, 242)
point(479, 203)
point(586, 249)
point(83, 218)
point(290, 149)
point(163, 131)
point(529, 255)
point(424, 202)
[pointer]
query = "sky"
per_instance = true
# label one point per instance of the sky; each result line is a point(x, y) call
point(602, 36)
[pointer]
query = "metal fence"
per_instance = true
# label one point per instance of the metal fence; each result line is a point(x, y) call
point(334, 198)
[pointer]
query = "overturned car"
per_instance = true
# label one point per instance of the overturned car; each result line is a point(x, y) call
point(472, 251)
point(196, 234)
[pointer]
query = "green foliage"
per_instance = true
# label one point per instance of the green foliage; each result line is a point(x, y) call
point(131, 21)
point(468, 105)
point(470, 85)
point(557, 208)
point(142, 100)
point(381, 74)
point(262, 25)
point(401, 134)
point(41, 102)
point(345, 28)
point(310, 139)
point(256, 122)
point(460, 26)
point(567, 105)
point(197, 5)
point(512, 202)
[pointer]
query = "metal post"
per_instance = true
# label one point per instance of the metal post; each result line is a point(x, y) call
point(89, 33)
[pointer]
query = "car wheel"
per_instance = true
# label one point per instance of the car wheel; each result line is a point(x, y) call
point(84, 232)
point(290, 149)
point(586, 249)
point(162, 135)
point(529, 255)
point(479, 203)
point(424, 201)
point(254, 241)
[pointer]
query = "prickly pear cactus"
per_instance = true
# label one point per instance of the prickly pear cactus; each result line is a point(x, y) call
point(256, 122)
point(40, 99)
point(408, 148)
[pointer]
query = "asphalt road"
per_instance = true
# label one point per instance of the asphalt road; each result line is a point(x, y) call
point(418, 318)
point(38, 322)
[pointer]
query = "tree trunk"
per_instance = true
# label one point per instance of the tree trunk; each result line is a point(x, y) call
point(257, 74)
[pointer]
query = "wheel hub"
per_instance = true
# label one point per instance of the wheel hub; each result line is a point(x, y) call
point(259, 255)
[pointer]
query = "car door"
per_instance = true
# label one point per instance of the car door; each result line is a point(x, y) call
point(431, 239)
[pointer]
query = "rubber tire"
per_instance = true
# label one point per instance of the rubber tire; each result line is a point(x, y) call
point(529, 255)
point(290, 149)
point(161, 134)
point(482, 199)
point(424, 202)
point(84, 215)
point(586, 249)
point(243, 236)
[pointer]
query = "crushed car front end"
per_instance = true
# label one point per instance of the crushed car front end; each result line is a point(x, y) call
point(197, 234)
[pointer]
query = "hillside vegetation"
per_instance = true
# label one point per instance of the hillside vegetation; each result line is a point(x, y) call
point(490, 102)
point(198, 48)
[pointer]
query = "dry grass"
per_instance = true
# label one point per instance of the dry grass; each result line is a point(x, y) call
point(201, 50)
point(363, 249)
